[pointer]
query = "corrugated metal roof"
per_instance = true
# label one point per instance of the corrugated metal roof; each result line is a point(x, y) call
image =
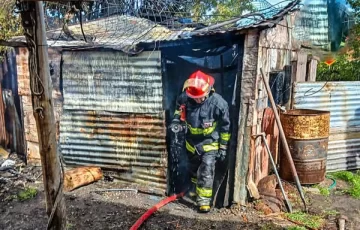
point(112, 81)
point(113, 114)
point(342, 99)
point(268, 12)
point(269, 18)
point(120, 32)
point(124, 33)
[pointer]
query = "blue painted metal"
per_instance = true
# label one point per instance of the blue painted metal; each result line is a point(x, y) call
point(342, 99)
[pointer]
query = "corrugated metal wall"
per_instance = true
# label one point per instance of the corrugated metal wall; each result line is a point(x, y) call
point(312, 22)
point(112, 81)
point(113, 114)
point(342, 99)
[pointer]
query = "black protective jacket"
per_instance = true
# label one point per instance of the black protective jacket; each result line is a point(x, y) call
point(208, 123)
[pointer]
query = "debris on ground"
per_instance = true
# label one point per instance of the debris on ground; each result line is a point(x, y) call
point(118, 206)
point(81, 176)
point(341, 221)
point(3, 153)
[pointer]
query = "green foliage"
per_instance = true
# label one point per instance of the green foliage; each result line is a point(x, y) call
point(296, 228)
point(10, 22)
point(310, 221)
point(330, 212)
point(347, 63)
point(346, 70)
point(69, 226)
point(353, 40)
point(324, 191)
point(353, 179)
point(221, 9)
point(27, 194)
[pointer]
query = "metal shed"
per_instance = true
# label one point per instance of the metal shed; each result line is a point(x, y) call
point(113, 99)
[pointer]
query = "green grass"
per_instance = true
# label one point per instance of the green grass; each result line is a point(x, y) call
point(323, 190)
point(296, 228)
point(353, 179)
point(69, 226)
point(27, 193)
point(330, 212)
point(305, 219)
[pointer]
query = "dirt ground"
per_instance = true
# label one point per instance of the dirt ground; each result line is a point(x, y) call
point(87, 209)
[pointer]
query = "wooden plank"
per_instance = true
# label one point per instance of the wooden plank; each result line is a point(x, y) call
point(290, 105)
point(301, 67)
point(312, 70)
point(12, 43)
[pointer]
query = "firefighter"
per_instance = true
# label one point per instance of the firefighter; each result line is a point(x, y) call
point(207, 119)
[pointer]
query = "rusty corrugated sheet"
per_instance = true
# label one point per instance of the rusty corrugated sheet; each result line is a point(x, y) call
point(342, 99)
point(132, 143)
point(113, 115)
point(112, 81)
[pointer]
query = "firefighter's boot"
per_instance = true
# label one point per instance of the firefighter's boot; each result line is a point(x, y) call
point(204, 208)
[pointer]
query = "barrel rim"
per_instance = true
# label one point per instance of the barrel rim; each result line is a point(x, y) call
point(311, 112)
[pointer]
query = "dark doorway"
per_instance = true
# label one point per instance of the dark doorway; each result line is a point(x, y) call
point(222, 60)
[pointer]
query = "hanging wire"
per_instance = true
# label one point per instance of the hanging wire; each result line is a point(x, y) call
point(124, 23)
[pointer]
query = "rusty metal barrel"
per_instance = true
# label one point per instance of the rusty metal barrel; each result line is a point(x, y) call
point(307, 133)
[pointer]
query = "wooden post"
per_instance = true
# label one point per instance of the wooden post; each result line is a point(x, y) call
point(301, 67)
point(41, 88)
point(312, 70)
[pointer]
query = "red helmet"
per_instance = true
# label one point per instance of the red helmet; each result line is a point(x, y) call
point(198, 85)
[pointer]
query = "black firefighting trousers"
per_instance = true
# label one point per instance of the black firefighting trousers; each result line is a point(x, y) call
point(202, 171)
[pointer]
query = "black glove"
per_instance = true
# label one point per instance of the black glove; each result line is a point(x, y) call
point(221, 155)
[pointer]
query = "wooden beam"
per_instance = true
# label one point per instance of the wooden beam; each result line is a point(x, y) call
point(44, 115)
point(12, 43)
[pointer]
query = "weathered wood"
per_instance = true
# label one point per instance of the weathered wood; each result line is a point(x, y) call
point(44, 116)
point(251, 186)
point(78, 177)
point(312, 70)
point(33, 154)
point(12, 43)
point(248, 81)
point(293, 80)
point(301, 67)
point(3, 153)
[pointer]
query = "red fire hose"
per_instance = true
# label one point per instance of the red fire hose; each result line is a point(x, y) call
point(154, 208)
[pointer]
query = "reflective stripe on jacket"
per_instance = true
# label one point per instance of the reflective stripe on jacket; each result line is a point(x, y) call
point(208, 123)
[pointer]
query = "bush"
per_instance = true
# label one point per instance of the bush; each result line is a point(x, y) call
point(345, 69)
